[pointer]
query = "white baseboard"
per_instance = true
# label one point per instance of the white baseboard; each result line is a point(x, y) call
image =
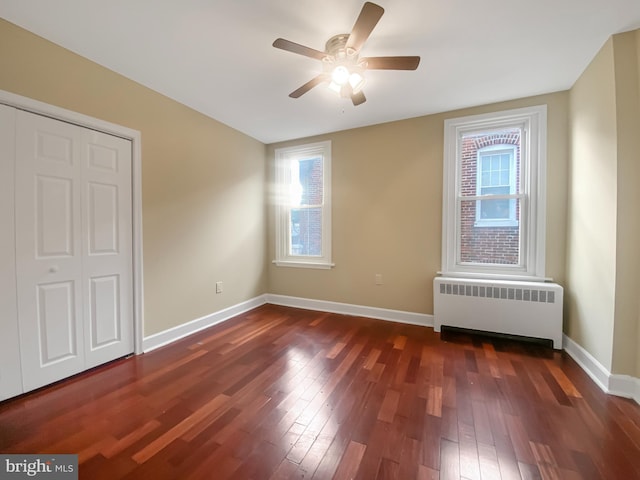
point(165, 337)
point(625, 386)
point(411, 318)
point(598, 373)
point(614, 384)
point(171, 335)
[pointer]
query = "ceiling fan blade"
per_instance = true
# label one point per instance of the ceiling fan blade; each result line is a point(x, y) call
point(309, 85)
point(293, 47)
point(358, 98)
point(367, 20)
point(392, 63)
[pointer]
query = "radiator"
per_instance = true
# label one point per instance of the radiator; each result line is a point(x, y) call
point(530, 309)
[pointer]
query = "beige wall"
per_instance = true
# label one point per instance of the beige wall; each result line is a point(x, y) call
point(590, 293)
point(625, 356)
point(202, 182)
point(387, 210)
point(603, 258)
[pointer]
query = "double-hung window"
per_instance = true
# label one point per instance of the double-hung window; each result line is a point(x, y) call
point(303, 206)
point(496, 186)
point(494, 195)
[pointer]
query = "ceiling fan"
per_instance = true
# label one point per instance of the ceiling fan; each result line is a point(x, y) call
point(342, 66)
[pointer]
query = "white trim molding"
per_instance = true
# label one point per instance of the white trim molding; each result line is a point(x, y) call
point(614, 384)
point(625, 386)
point(178, 332)
point(399, 316)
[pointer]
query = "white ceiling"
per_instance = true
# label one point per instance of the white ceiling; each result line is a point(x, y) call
point(216, 56)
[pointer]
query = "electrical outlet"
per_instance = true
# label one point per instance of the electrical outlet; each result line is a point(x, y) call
point(378, 279)
point(218, 287)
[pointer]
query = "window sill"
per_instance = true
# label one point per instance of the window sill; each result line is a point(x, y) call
point(495, 276)
point(495, 223)
point(316, 265)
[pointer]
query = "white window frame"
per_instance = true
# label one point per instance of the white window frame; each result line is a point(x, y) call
point(501, 222)
point(283, 207)
point(533, 162)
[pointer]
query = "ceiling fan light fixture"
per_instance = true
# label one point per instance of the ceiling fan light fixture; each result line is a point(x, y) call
point(356, 80)
point(334, 87)
point(340, 75)
point(346, 80)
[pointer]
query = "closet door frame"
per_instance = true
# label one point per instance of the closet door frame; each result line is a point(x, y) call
point(10, 363)
point(75, 118)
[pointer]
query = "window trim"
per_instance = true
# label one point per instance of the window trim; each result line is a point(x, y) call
point(498, 222)
point(533, 151)
point(282, 207)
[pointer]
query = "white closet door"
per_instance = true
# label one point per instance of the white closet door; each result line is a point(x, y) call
point(10, 370)
point(107, 245)
point(72, 311)
point(49, 249)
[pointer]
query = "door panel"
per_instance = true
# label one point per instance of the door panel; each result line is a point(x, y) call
point(10, 368)
point(104, 157)
point(57, 322)
point(108, 234)
point(54, 146)
point(105, 311)
point(48, 239)
point(54, 216)
point(103, 219)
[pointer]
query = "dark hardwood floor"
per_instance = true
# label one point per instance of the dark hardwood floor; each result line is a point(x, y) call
point(281, 393)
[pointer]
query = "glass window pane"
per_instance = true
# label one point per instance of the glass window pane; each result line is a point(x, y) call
point(499, 245)
point(491, 167)
point(310, 178)
point(494, 209)
point(494, 191)
point(488, 230)
point(305, 230)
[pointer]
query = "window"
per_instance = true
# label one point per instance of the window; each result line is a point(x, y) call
point(303, 206)
point(496, 177)
point(494, 195)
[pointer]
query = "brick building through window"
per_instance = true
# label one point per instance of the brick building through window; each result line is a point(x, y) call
point(490, 166)
point(306, 219)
